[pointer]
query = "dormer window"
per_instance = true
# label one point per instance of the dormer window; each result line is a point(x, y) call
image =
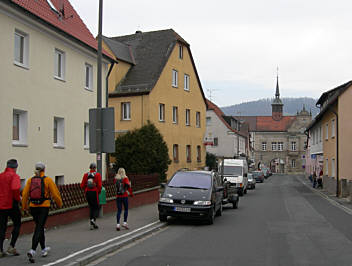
point(180, 51)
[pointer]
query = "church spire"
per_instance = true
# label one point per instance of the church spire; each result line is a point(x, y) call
point(277, 93)
point(276, 105)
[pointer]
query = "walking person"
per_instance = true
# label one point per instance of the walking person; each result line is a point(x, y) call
point(320, 179)
point(122, 186)
point(10, 185)
point(91, 183)
point(38, 191)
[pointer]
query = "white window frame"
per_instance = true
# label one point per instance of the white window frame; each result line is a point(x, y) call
point(174, 78)
point(175, 152)
point(186, 82)
point(125, 111)
point(188, 117)
point(88, 77)
point(161, 112)
point(21, 53)
point(60, 64)
point(216, 141)
point(198, 119)
point(274, 146)
point(293, 163)
point(86, 135)
point(293, 146)
point(326, 131)
point(60, 180)
point(21, 119)
point(333, 128)
point(208, 120)
point(175, 114)
point(59, 132)
point(280, 146)
point(264, 146)
point(333, 168)
point(180, 51)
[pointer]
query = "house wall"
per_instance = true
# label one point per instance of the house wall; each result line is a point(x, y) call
point(35, 90)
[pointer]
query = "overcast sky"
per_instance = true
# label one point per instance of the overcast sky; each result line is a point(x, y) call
point(237, 45)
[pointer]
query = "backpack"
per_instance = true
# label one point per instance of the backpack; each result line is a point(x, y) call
point(120, 187)
point(37, 190)
point(90, 180)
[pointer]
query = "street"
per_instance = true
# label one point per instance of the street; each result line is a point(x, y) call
point(281, 222)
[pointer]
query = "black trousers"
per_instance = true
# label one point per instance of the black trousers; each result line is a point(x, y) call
point(15, 216)
point(93, 204)
point(40, 215)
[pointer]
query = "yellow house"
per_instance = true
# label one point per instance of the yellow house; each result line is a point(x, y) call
point(335, 111)
point(156, 80)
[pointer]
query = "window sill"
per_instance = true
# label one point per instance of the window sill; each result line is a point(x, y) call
point(176, 161)
point(21, 65)
point(89, 89)
point(174, 86)
point(189, 161)
point(188, 90)
point(58, 146)
point(162, 121)
point(60, 79)
point(188, 125)
point(14, 144)
point(86, 148)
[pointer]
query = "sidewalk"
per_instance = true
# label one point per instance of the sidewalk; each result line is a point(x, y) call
point(342, 203)
point(69, 239)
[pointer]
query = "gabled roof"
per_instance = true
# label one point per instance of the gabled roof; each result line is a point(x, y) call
point(61, 16)
point(268, 124)
point(121, 51)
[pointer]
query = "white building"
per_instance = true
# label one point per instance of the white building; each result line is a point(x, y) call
point(48, 76)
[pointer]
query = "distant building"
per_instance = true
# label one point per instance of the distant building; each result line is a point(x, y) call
point(278, 141)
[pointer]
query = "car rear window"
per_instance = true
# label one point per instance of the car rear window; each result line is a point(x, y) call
point(191, 180)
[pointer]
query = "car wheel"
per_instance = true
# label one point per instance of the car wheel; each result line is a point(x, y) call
point(245, 191)
point(235, 204)
point(162, 218)
point(211, 216)
point(219, 212)
point(254, 187)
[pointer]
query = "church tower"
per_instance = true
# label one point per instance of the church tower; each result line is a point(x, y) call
point(277, 105)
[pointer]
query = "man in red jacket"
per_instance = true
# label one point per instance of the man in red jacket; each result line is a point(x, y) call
point(91, 183)
point(10, 185)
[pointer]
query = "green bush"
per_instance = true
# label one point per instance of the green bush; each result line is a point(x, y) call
point(143, 151)
point(210, 161)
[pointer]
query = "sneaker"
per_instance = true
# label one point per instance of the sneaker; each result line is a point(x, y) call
point(95, 226)
point(30, 255)
point(12, 251)
point(45, 251)
point(125, 225)
point(118, 227)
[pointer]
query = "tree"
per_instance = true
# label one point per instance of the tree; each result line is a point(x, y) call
point(143, 151)
point(210, 161)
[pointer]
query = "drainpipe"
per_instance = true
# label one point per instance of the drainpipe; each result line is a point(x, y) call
point(107, 157)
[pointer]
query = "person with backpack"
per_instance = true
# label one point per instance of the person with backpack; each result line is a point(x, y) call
point(92, 184)
point(122, 186)
point(36, 194)
point(9, 197)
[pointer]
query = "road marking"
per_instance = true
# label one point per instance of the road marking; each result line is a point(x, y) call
point(100, 244)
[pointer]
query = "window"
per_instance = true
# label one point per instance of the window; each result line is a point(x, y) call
point(280, 146)
point(126, 111)
point(59, 64)
point(326, 131)
point(174, 114)
point(263, 146)
point(208, 121)
point(161, 112)
point(216, 141)
point(327, 167)
point(293, 163)
point(86, 136)
point(180, 51)
point(199, 154)
point(21, 50)
point(186, 82)
point(333, 167)
point(19, 127)
point(59, 180)
point(188, 153)
point(320, 137)
point(333, 128)
point(174, 78)
point(59, 130)
point(274, 146)
point(197, 119)
point(89, 77)
point(175, 152)
point(188, 117)
point(293, 146)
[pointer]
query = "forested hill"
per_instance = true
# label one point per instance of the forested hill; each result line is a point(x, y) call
point(263, 107)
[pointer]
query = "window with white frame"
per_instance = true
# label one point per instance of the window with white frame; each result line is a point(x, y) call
point(175, 152)
point(59, 132)
point(293, 163)
point(174, 78)
point(21, 48)
point(274, 146)
point(326, 131)
point(293, 145)
point(126, 111)
point(333, 128)
point(19, 127)
point(280, 146)
point(175, 114)
point(180, 51)
point(199, 154)
point(188, 153)
point(333, 167)
point(216, 142)
point(327, 166)
point(188, 117)
point(59, 64)
point(161, 112)
point(186, 82)
point(197, 119)
point(89, 76)
point(86, 136)
point(208, 120)
point(263, 146)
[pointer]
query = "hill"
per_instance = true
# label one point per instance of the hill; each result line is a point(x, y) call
point(263, 107)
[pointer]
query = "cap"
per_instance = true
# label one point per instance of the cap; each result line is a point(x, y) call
point(92, 166)
point(39, 166)
point(12, 163)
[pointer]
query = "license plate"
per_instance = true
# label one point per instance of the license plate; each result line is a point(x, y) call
point(182, 209)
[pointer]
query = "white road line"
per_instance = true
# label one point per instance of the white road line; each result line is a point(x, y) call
point(100, 244)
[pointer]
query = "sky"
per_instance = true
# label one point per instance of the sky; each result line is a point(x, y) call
point(237, 46)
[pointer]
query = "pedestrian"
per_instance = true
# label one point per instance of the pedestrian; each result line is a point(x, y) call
point(122, 186)
point(314, 179)
point(91, 183)
point(10, 185)
point(320, 179)
point(38, 191)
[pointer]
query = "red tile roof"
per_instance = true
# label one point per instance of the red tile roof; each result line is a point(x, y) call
point(67, 19)
point(267, 123)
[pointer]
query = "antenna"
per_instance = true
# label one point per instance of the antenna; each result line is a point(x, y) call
point(210, 91)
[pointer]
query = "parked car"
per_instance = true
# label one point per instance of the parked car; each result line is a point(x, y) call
point(258, 176)
point(192, 195)
point(230, 194)
point(251, 181)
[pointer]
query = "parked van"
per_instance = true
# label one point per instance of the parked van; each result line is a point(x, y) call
point(235, 171)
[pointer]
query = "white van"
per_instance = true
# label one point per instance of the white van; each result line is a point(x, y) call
point(235, 171)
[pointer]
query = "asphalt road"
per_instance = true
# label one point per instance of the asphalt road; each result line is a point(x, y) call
point(281, 222)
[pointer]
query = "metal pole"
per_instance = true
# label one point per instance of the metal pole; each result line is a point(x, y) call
point(99, 91)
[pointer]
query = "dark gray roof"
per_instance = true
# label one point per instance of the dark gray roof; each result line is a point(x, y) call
point(151, 51)
point(120, 50)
